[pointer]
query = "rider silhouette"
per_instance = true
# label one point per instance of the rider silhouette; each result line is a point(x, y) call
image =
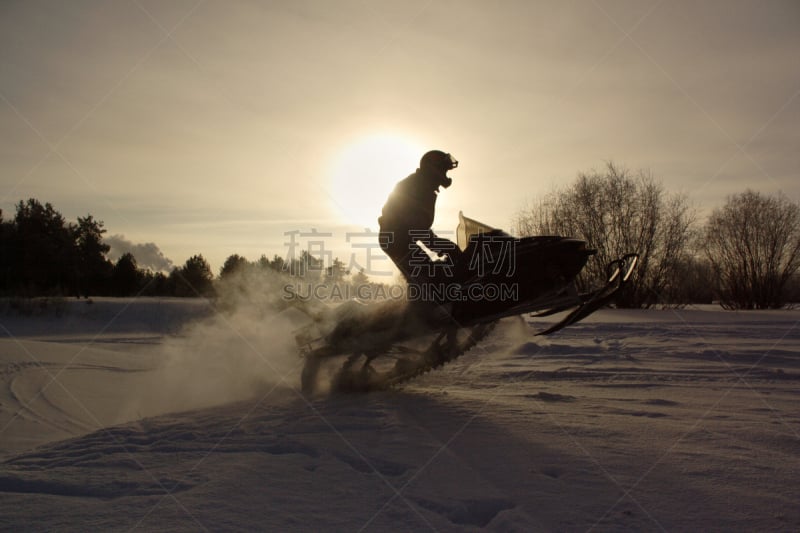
point(407, 218)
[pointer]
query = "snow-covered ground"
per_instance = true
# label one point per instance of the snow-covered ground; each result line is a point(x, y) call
point(163, 415)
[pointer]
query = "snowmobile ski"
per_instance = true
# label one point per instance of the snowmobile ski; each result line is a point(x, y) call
point(620, 271)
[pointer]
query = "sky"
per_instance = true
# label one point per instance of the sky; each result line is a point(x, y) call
point(240, 126)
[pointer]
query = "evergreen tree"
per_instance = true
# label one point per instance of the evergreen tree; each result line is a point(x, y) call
point(126, 276)
point(6, 233)
point(194, 278)
point(336, 272)
point(42, 250)
point(92, 269)
point(233, 264)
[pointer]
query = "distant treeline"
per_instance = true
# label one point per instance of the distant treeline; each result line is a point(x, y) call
point(41, 254)
point(745, 256)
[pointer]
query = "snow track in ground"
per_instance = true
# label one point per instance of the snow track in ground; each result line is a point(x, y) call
point(674, 420)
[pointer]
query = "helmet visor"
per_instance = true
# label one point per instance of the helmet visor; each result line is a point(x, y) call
point(452, 162)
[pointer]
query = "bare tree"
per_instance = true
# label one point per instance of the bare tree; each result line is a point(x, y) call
point(753, 245)
point(618, 212)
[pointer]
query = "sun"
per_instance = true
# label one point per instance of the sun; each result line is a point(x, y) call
point(364, 172)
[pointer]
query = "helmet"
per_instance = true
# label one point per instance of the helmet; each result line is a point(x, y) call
point(437, 160)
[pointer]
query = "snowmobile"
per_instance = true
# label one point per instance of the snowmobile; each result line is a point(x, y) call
point(374, 346)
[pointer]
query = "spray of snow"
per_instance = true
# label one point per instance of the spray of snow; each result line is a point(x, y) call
point(245, 349)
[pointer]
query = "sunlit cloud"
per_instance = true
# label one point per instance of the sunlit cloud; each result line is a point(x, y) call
point(147, 254)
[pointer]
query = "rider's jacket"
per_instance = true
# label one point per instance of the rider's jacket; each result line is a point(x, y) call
point(410, 208)
point(406, 220)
